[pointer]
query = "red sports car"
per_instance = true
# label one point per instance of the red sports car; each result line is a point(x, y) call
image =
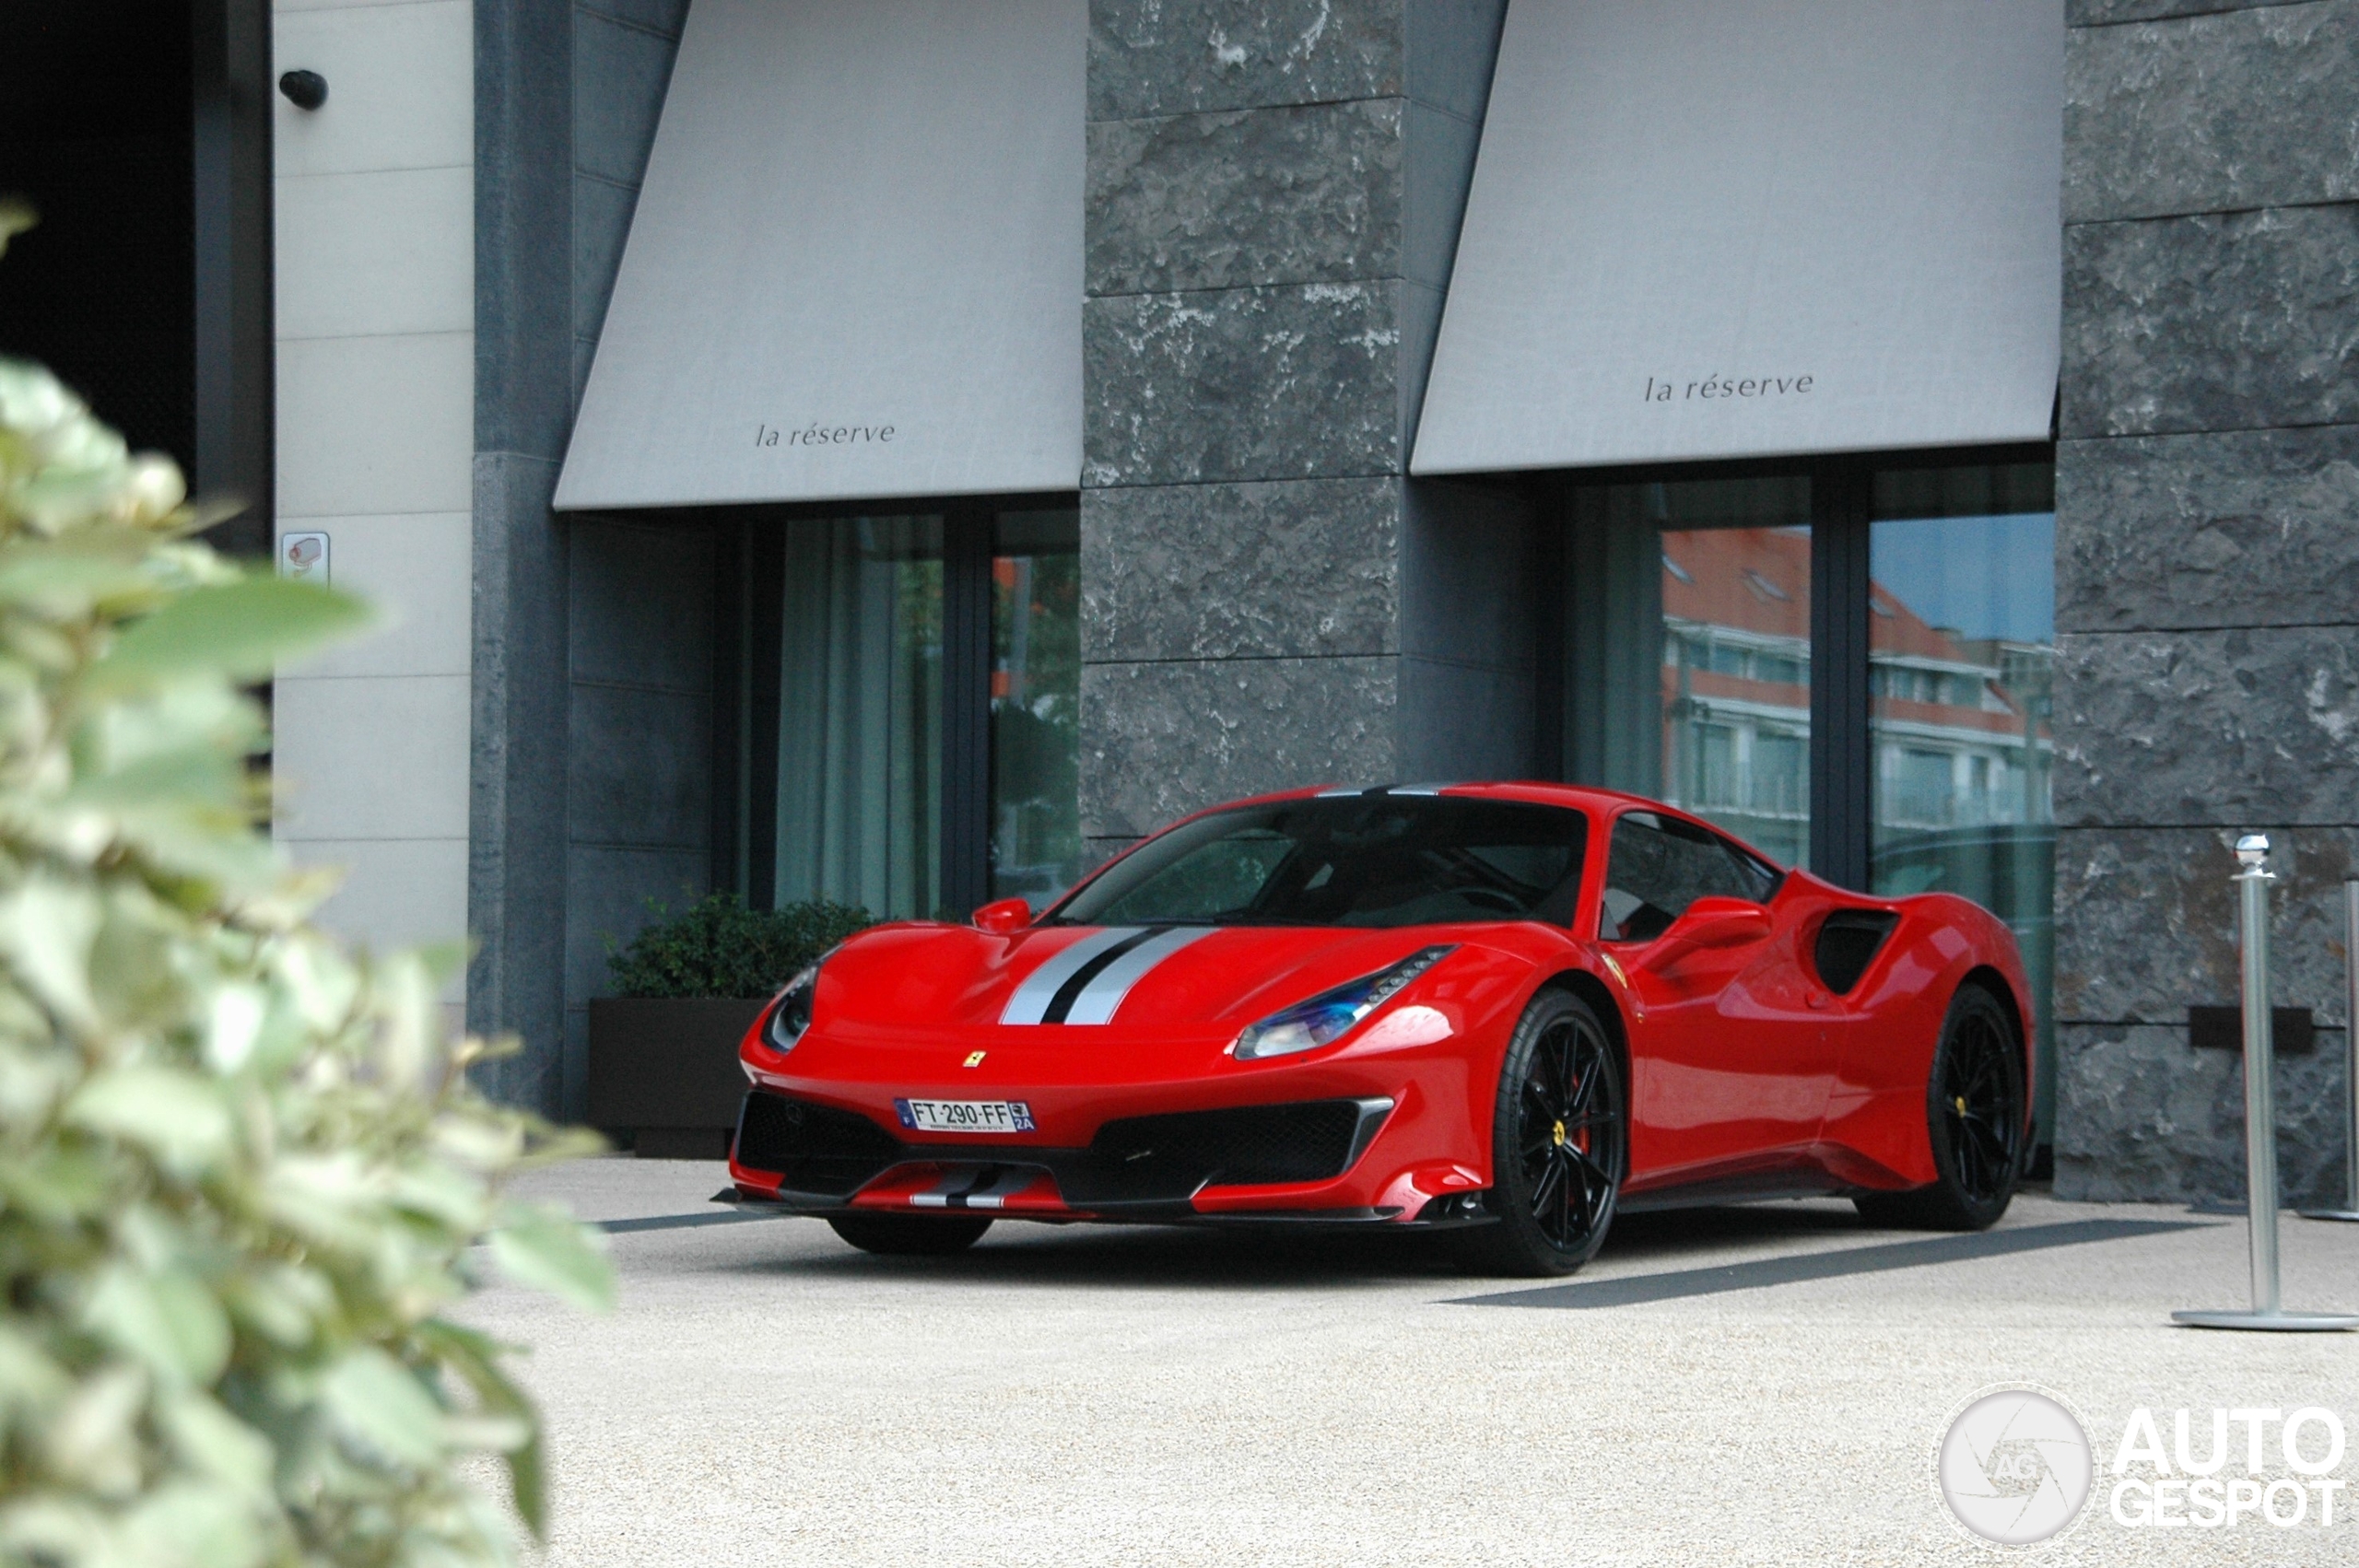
point(1502, 1010)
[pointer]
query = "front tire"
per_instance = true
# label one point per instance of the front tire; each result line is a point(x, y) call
point(1973, 1117)
point(1558, 1136)
point(909, 1235)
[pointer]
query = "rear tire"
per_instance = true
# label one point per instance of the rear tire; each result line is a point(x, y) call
point(908, 1235)
point(1973, 1117)
point(1559, 1134)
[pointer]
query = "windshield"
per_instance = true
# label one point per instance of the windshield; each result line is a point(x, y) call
point(1347, 861)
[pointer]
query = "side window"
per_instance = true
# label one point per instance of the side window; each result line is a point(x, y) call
point(1660, 865)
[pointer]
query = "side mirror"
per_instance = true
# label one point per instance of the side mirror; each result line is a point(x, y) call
point(1006, 915)
point(1710, 923)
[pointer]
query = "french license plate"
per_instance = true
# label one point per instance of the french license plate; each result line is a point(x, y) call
point(965, 1116)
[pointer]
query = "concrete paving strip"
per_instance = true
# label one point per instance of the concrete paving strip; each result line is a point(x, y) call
point(1637, 1289)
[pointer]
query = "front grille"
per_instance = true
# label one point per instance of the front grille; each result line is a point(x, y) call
point(826, 1151)
point(1163, 1158)
point(812, 1148)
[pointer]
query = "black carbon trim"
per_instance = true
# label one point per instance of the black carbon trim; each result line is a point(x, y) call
point(813, 1148)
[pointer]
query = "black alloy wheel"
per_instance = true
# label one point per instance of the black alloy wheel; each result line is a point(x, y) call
point(909, 1235)
point(1973, 1118)
point(1558, 1140)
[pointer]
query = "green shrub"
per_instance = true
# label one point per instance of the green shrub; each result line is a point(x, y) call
point(240, 1168)
point(716, 947)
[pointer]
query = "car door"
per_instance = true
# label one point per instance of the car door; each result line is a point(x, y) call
point(1731, 1063)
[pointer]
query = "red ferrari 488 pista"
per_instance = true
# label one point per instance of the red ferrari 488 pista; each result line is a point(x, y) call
point(1508, 1010)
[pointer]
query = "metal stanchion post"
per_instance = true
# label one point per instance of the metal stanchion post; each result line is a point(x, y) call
point(2349, 1210)
point(2252, 880)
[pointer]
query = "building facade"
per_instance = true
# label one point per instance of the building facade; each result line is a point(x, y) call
point(903, 452)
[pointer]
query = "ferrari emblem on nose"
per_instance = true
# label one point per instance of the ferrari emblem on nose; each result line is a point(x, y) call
point(975, 1059)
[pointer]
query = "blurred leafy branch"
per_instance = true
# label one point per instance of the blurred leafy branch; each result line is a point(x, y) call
point(242, 1172)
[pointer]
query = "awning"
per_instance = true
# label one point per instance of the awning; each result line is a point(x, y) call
point(855, 266)
point(1722, 228)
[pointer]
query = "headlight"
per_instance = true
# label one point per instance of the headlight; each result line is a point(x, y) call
point(791, 1014)
point(1331, 1015)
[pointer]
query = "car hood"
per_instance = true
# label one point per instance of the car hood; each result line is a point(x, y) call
point(1170, 979)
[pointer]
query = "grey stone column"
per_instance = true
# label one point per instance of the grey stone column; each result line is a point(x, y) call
point(1273, 197)
point(523, 381)
point(2207, 571)
point(638, 697)
point(591, 704)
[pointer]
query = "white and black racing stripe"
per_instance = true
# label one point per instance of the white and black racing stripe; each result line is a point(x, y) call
point(975, 1186)
point(1086, 982)
point(1030, 1003)
point(1094, 1001)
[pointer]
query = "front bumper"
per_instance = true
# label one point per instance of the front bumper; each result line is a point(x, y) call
point(1292, 1161)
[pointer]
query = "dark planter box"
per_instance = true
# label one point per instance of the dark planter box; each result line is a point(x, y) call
point(664, 1074)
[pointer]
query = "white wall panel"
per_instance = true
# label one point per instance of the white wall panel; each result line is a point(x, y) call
point(400, 87)
point(375, 295)
point(371, 253)
point(397, 893)
point(372, 425)
point(416, 569)
point(372, 756)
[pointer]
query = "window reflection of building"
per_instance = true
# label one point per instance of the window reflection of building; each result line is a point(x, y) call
point(1961, 724)
point(1961, 677)
point(1736, 681)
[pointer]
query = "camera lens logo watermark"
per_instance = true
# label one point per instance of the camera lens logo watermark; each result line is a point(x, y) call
point(2014, 1466)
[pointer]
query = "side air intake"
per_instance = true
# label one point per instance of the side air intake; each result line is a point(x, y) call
point(1847, 943)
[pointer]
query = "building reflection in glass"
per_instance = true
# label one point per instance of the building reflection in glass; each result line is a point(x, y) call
point(1736, 681)
point(1687, 642)
point(1962, 649)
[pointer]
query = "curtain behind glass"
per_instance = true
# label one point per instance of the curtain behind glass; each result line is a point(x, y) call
point(1688, 651)
point(860, 714)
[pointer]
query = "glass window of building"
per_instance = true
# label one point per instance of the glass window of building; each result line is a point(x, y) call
point(860, 713)
point(909, 714)
point(1702, 668)
point(1962, 640)
point(1036, 705)
point(1688, 633)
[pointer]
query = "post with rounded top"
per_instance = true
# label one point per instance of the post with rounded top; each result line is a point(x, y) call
point(2349, 1210)
point(2253, 877)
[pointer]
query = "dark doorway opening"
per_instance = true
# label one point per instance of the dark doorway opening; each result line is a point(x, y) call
point(140, 135)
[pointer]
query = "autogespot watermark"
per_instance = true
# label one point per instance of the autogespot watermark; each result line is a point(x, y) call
point(2016, 1467)
point(2194, 1484)
point(2015, 1464)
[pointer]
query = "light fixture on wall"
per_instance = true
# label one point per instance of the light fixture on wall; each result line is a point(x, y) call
point(304, 89)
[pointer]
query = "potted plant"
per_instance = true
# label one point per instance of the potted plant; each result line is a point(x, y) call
point(664, 1074)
